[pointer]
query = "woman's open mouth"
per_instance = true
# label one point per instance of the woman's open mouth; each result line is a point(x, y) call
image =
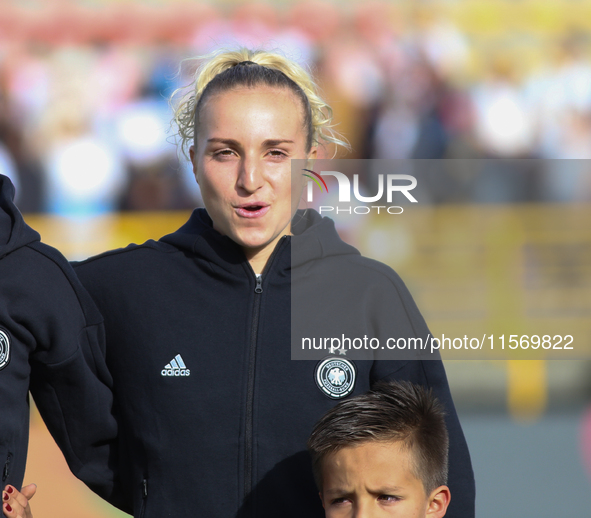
point(252, 210)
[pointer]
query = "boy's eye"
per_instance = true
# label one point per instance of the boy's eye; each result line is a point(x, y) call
point(388, 498)
point(339, 501)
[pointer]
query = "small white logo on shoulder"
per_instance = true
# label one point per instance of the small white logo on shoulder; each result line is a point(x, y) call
point(4, 349)
point(335, 377)
point(176, 367)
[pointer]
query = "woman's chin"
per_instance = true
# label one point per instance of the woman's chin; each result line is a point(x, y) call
point(253, 244)
point(255, 241)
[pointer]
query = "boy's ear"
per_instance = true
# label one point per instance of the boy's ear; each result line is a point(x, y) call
point(438, 501)
point(321, 499)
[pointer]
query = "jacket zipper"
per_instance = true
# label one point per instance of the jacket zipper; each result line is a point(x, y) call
point(6, 470)
point(248, 435)
point(144, 497)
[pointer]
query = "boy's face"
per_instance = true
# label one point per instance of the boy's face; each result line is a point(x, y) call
point(375, 479)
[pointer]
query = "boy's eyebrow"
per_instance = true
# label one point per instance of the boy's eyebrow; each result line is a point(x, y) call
point(386, 490)
point(337, 491)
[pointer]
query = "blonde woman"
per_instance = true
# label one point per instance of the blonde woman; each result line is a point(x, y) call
point(214, 415)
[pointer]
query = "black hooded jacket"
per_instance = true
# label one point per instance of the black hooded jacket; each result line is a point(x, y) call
point(214, 413)
point(51, 341)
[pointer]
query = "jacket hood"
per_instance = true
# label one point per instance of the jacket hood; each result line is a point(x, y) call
point(14, 232)
point(315, 237)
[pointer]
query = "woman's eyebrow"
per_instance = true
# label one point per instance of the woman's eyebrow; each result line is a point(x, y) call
point(227, 141)
point(276, 142)
point(232, 142)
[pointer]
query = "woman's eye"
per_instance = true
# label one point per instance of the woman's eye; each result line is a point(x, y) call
point(223, 153)
point(277, 153)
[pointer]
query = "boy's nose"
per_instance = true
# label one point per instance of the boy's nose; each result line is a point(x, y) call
point(364, 509)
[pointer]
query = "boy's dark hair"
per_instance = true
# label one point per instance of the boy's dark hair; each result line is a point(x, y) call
point(391, 411)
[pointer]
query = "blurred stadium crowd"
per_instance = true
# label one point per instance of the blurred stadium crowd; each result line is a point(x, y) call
point(84, 88)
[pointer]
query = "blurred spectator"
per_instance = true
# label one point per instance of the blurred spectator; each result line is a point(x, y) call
point(8, 168)
point(81, 80)
point(85, 175)
point(504, 126)
point(353, 80)
point(560, 96)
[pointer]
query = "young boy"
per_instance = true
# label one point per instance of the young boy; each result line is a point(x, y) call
point(383, 453)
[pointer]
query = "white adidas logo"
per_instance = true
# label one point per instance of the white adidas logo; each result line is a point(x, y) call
point(176, 367)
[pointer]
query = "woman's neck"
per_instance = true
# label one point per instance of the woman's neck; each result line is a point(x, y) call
point(259, 257)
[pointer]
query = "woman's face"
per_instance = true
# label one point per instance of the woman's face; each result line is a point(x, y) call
point(242, 162)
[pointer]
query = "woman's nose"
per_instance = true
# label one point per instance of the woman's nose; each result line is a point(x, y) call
point(251, 175)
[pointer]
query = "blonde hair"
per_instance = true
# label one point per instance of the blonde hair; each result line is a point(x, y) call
point(218, 72)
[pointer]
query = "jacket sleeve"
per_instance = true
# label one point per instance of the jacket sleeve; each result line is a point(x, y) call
point(14, 409)
point(72, 387)
point(74, 399)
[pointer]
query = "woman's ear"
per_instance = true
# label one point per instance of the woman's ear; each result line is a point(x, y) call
point(312, 154)
point(438, 501)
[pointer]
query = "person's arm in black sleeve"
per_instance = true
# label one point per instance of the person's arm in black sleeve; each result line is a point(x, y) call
point(72, 387)
point(75, 404)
